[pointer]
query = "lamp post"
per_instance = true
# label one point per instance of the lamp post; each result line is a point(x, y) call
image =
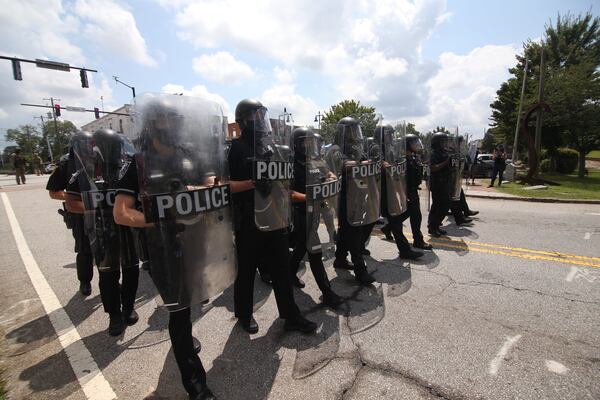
point(124, 84)
point(318, 118)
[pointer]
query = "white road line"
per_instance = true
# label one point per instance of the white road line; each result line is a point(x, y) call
point(572, 273)
point(556, 367)
point(91, 379)
point(495, 363)
point(587, 236)
point(592, 213)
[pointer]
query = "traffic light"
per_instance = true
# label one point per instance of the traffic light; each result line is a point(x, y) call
point(16, 66)
point(57, 110)
point(97, 112)
point(84, 80)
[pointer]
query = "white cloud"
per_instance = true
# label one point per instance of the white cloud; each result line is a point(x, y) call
point(283, 95)
point(222, 67)
point(198, 91)
point(112, 28)
point(464, 87)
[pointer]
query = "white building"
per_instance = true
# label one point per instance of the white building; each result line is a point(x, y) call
point(118, 123)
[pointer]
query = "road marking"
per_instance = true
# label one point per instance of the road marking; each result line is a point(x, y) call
point(91, 379)
point(592, 213)
point(556, 367)
point(497, 361)
point(579, 273)
point(587, 235)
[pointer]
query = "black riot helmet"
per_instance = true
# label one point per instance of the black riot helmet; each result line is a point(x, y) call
point(306, 143)
point(413, 143)
point(439, 140)
point(161, 121)
point(78, 139)
point(348, 131)
point(245, 114)
point(108, 153)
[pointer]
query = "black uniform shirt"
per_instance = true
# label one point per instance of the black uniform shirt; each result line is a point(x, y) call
point(438, 157)
point(128, 184)
point(240, 158)
point(59, 179)
point(413, 172)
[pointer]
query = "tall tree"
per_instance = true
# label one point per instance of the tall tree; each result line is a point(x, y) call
point(59, 137)
point(348, 108)
point(572, 52)
point(27, 138)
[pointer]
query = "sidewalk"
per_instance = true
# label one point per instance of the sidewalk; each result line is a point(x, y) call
point(480, 190)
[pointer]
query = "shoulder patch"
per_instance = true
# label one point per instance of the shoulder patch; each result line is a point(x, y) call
point(124, 169)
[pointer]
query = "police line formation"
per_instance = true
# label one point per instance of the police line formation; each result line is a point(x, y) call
point(201, 215)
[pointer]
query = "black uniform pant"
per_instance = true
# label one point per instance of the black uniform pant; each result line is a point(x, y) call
point(351, 239)
point(315, 259)
point(191, 369)
point(115, 297)
point(367, 233)
point(460, 207)
point(272, 249)
point(440, 194)
point(84, 259)
point(413, 211)
point(395, 225)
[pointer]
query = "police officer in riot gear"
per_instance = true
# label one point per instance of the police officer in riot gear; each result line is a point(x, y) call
point(414, 176)
point(359, 198)
point(394, 193)
point(179, 174)
point(310, 169)
point(260, 237)
point(56, 186)
point(99, 160)
point(439, 183)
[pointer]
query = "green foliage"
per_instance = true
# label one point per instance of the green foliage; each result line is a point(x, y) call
point(566, 160)
point(570, 187)
point(28, 140)
point(545, 165)
point(488, 143)
point(408, 129)
point(59, 136)
point(572, 89)
point(348, 108)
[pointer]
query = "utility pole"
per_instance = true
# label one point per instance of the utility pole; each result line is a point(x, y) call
point(515, 153)
point(538, 126)
point(55, 123)
point(41, 117)
point(318, 118)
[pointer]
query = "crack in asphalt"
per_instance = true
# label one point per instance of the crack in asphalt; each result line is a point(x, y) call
point(431, 389)
point(479, 283)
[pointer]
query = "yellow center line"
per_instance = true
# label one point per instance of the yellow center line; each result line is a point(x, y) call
point(528, 254)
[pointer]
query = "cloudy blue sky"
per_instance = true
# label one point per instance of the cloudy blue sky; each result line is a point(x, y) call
point(432, 62)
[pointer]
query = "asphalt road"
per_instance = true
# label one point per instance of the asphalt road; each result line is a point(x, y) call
point(505, 309)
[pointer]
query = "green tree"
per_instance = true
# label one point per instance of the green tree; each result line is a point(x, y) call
point(27, 138)
point(348, 108)
point(59, 137)
point(488, 143)
point(572, 59)
point(410, 129)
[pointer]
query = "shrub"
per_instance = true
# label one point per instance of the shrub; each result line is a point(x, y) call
point(566, 160)
point(545, 165)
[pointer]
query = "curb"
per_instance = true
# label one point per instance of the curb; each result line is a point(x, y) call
point(535, 199)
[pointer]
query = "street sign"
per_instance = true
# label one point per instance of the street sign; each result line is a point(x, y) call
point(76, 109)
point(52, 65)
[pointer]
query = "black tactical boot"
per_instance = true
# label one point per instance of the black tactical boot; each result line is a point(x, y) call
point(342, 264)
point(85, 288)
point(363, 276)
point(116, 324)
point(249, 325)
point(299, 283)
point(420, 244)
point(131, 317)
point(331, 299)
point(205, 394)
point(410, 254)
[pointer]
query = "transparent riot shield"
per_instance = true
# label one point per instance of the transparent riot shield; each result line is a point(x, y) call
point(184, 190)
point(363, 177)
point(425, 157)
point(272, 171)
point(394, 167)
point(323, 187)
point(98, 162)
point(456, 166)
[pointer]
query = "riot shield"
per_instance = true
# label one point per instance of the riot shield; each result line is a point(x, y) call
point(425, 157)
point(394, 152)
point(323, 186)
point(98, 162)
point(456, 166)
point(184, 190)
point(272, 171)
point(362, 175)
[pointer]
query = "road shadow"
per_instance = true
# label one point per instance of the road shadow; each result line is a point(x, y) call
point(262, 291)
point(458, 246)
point(396, 273)
point(461, 231)
point(430, 260)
